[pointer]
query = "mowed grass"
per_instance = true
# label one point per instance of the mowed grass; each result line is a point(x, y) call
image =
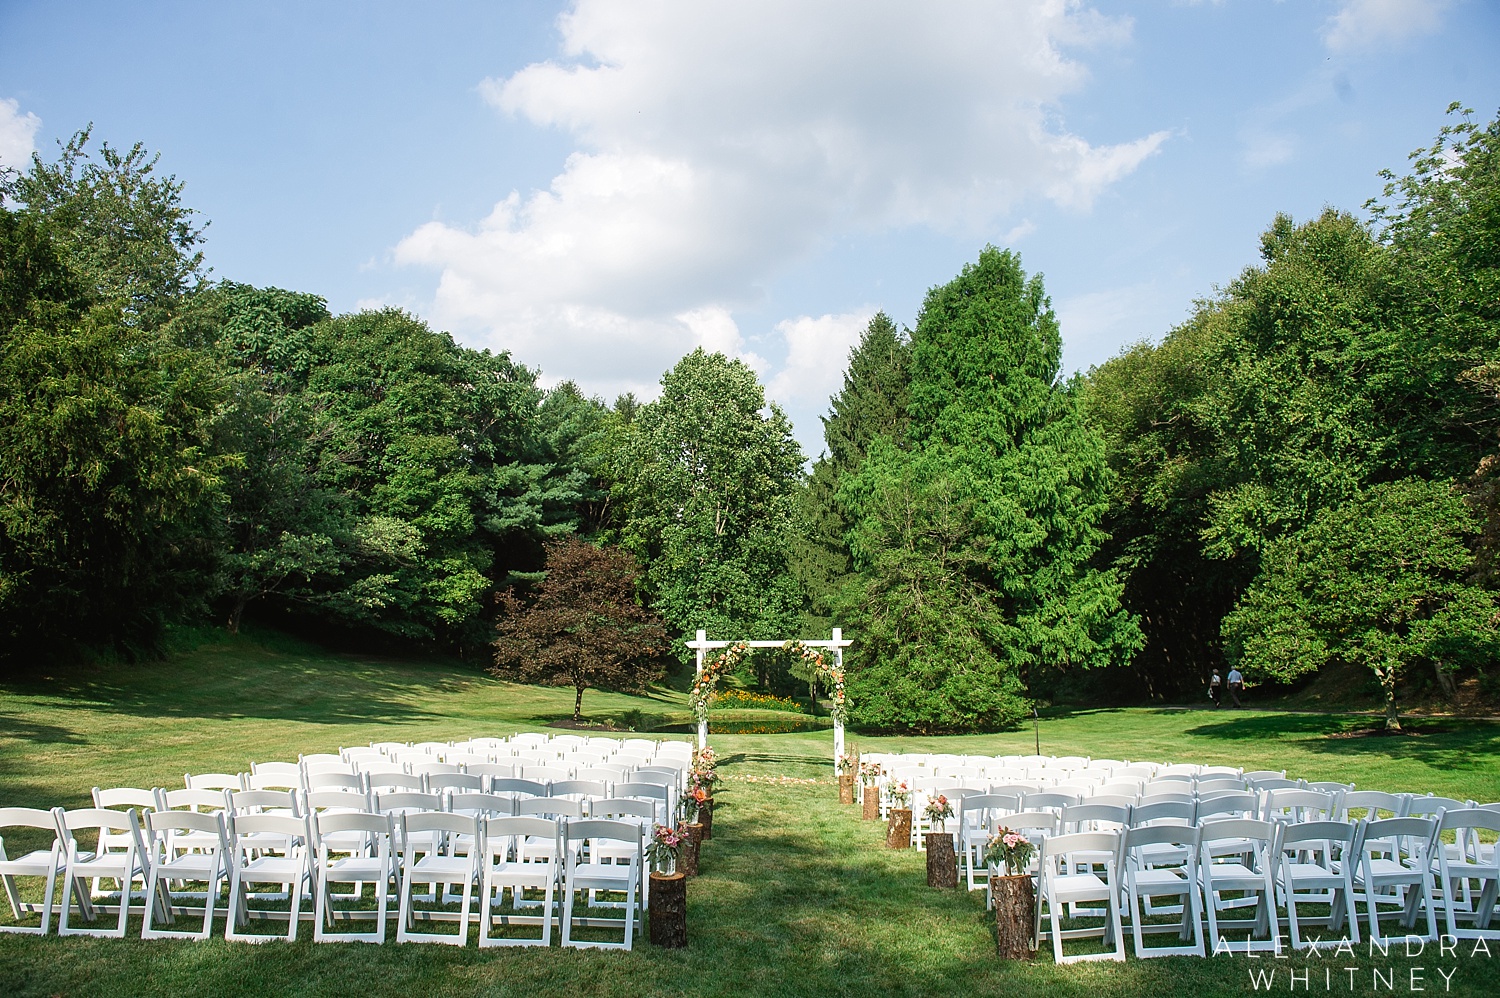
point(797, 894)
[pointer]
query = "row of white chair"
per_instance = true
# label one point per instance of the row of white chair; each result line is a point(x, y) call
point(428, 776)
point(1394, 866)
point(546, 844)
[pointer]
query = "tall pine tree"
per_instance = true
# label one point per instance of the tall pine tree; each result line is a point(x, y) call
point(973, 544)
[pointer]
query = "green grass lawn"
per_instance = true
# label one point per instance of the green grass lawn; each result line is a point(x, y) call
point(797, 896)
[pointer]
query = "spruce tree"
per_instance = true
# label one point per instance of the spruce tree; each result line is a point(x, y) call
point(973, 544)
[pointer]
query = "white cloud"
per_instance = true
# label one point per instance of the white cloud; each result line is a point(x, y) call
point(1262, 149)
point(1015, 235)
point(1094, 325)
point(817, 350)
point(1367, 24)
point(17, 134)
point(716, 145)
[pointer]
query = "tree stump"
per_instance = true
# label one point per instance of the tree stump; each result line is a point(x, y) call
point(668, 916)
point(706, 819)
point(1015, 912)
point(872, 803)
point(688, 862)
point(898, 828)
point(942, 861)
point(846, 788)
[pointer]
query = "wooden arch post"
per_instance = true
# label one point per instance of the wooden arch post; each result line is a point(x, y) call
point(701, 645)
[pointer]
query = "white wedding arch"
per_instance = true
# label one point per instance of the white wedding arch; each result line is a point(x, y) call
point(701, 645)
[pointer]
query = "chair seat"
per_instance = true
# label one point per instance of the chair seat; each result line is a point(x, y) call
point(1148, 880)
point(357, 868)
point(273, 869)
point(193, 866)
point(450, 869)
point(33, 864)
point(1078, 887)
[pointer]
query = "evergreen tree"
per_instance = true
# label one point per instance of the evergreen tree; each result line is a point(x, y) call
point(871, 404)
point(974, 545)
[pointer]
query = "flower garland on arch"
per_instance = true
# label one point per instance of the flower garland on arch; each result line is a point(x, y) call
point(825, 670)
point(707, 681)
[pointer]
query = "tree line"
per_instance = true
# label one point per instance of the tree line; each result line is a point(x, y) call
point(1302, 473)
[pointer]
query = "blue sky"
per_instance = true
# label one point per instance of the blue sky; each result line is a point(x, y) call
point(600, 187)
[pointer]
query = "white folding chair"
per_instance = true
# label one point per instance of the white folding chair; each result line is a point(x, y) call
point(1162, 861)
point(213, 781)
point(122, 860)
point(1459, 868)
point(372, 863)
point(207, 862)
point(1394, 855)
point(1235, 857)
point(603, 856)
point(43, 863)
point(1309, 872)
point(1059, 886)
point(976, 815)
point(520, 854)
point(268, 849)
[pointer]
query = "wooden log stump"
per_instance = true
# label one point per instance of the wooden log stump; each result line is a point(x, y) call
point(706, 819)
point(872, 803)
point(942, 861)
point(846, 788)
point(668, 916)
point(898, 828)
point(688, 863)
point(1015, 911)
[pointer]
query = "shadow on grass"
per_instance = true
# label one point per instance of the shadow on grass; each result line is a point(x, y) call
point(1445, 743)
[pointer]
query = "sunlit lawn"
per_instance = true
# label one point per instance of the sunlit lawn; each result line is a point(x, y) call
point(797, 896)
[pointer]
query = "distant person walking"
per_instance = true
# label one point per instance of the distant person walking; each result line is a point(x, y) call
point(1236, 686)
point(1216, 689)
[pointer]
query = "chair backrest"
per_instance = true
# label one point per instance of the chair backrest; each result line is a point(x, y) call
point(339, 800)
point(1045, 800)
point(1409, 836)
point(1150, 835)
point(1226, 836)
point(213, 781)
point(614, 807)
point(274, 780)
point(1090, 814)
point(335, 781)
point(1019, 790)
point(30, 817)
point(407, 800)
point(497, 830)
point(587, 829)
point(454, 781)
point(250, 801)
point(1242, 804)
point(582, 788)
point(1055, 847)
point(1164, 812)
point(1209, 785)
point(454, 823)
point(120, 798)
point(655, 791)
point(552, 807)
point(322, 758)
point(194, 800)
point(604, 774)
point(1318, 831)
point(1265, 774)
point(1111, 800)
point(1044, 821)
point(656, 774)
point(483, 805)
point(1299, 805)
point(527, 787)
point(1331, 787)
point(318, 769)
point(1423, 806)
point(160, 822)
point(434, 768)
point(1274, 783)
point(289, 769)
point(251, 830)
point(494, 770)
point(1474, 817)
point(1372, 802)
point(393, 782)
point(330, 822)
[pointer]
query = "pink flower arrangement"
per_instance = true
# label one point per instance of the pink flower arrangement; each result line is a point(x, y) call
point(1009, 848)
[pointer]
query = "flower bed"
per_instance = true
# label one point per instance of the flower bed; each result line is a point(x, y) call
point(734, 699)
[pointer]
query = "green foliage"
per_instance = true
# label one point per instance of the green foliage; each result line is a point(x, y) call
point(974, 545)
point(710, 483)
point(120, 228)
point(1376, 582)
point(872, 404)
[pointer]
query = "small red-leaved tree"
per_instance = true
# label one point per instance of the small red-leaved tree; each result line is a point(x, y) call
point(582, 627)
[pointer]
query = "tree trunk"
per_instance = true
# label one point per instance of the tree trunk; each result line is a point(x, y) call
point(577, 704)
point(1445, 681)
point(846, 788)
point(1015, 909)
point(942, 862)
point(898, 828)
point(668, 916)
point(688, 863)
point(1387, 677)
point(872, 803)
point(236, 611)
point(706, 819)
